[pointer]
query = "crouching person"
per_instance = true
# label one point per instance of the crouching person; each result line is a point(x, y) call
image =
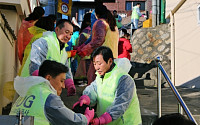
point(113, 91)
point(39, 97)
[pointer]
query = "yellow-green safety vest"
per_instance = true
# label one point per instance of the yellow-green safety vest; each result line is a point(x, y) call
point(33, 103)
point(134, 13)
point(106, 89)
point(53, 53)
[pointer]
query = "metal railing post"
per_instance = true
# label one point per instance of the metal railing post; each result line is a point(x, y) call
point(176, 93)
point(159, 90)
point(180, 109)
point(131, 31)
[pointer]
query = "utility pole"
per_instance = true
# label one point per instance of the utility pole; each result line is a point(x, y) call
point(158, 12)
point(154, 9)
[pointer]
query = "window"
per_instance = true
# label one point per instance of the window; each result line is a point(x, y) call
point(81, 13)
point(129, 5)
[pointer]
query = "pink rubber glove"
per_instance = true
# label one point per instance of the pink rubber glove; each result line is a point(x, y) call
point(103, 119)
point(69, 85)
point(84, 99)
point(89, 114)
point(35, 73)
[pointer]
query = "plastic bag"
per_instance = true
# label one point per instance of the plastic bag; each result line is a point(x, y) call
point(124, 64)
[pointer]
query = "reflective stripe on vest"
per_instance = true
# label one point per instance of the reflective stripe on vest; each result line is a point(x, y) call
point(33, 103)
point(106, 89)
point(111, 39)
point(134, 13)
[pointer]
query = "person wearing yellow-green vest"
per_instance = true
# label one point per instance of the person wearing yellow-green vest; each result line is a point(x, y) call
point(113, 91)
point(42, 25)
point(39, 97)
point(51, 46)
point(136, 15)
point(118, 19)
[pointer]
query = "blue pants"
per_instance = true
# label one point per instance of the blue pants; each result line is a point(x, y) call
point(135, 23)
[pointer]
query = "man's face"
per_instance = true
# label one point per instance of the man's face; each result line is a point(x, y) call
point(100, 65)
point(58, 82)
point(64, 34)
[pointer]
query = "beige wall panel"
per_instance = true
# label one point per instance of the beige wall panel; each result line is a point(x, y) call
point(187, 43)
point(12, 18)
point(170, 5)
point(7, 63)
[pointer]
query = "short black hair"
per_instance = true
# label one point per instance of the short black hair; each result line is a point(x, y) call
point(138, 4)
point(46, 23)
point(106, 52)
point(173, 119)
point(61, 22)
point(114, 11)
point(37, 13)
point(52, 68)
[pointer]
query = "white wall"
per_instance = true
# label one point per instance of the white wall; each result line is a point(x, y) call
point(187, 44)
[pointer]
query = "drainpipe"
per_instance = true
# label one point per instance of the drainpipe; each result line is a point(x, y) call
point(158, 12)
point(172, 48)
point(154, 13)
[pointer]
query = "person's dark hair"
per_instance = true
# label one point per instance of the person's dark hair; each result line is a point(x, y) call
point(52, 68)
point(173, 119)
point(61, 22)
point(106, 52)
point(46, 23)
point(138, 4)
point(114, 11)
point(37, 13)
point(75, 28)
point(102, 12)
point(124, 31)
point(52, 17)
point(86, 21)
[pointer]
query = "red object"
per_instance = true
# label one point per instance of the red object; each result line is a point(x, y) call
point(73, 53)
point(124, 48)
point(23, 38)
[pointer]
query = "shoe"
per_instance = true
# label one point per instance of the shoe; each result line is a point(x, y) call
point(82, 84)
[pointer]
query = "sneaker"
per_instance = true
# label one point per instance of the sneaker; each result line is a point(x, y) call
point(82, 84)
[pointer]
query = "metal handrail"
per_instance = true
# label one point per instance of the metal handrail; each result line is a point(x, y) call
point(176, 93)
